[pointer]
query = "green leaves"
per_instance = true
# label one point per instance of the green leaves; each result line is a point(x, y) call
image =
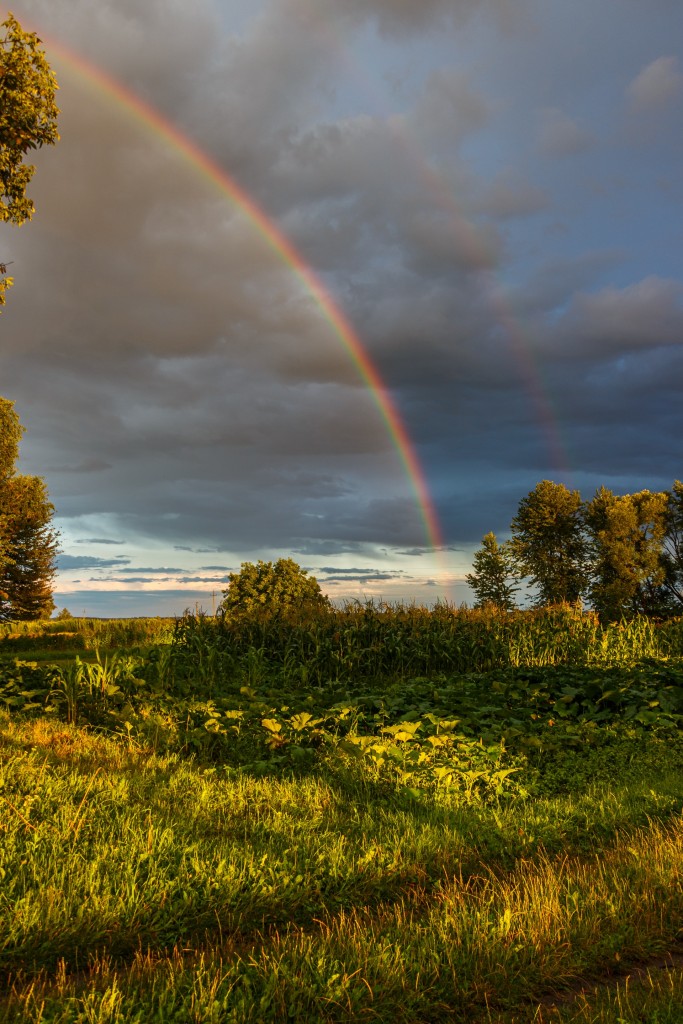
point(28, 115)
point(28, 120)
point(271, 587)
point(493, 578)
point(548, 544)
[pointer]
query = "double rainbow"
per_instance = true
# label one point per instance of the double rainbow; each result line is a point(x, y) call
point(204, 164)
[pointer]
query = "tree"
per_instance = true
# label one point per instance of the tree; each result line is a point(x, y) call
point(673, 544)
point(10, 433)
point(28, 545)
point(273, 587)
point(628, 572)
point(29, 566)
point(28, 120)
point(548, 545)
point(493, 578)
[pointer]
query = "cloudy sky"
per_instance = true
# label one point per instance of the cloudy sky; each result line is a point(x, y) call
point(489, 190)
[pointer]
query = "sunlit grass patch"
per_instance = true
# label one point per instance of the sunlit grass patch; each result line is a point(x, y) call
point(473, 951)
point(322, 895)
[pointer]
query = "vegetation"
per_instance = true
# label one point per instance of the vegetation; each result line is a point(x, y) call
point(271, 586)
point(28, 544)
point(65, 636)
point(397, 642)
point(621, 553)
point(548, 544)
point(28, 120)
point(493, 577)
point(189, 837)
point(371, 813)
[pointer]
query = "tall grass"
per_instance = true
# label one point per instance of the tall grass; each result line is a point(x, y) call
point(404, 641)
point(84, 634)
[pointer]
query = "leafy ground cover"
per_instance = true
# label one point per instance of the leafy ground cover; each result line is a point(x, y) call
point(183, 843)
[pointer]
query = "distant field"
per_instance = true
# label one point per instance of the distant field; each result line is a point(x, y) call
point(203, 831)
point(57, 639)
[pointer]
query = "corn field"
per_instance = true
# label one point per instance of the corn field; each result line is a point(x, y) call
point(391, 642)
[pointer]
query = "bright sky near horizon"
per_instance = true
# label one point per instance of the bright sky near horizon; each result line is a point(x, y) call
point(490, 192)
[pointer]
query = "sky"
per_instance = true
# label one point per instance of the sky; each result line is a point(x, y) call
point(488, 194)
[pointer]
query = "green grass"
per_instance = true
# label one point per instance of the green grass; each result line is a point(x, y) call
point(219, 830)
point(139, 887)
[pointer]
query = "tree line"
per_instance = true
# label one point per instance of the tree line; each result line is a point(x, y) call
point(620, 553)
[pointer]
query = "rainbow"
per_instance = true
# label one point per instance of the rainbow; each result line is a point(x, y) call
point(151, 118)
point(437, 186)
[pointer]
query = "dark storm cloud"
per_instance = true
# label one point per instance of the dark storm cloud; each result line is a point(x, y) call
point(494, 226)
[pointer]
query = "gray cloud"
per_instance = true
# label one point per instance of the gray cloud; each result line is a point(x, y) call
point(507, 198)
point(98, 540)
point(656, 85)
point(181, 387)
point(86, 466)
point(89, 562)
point(560, 135)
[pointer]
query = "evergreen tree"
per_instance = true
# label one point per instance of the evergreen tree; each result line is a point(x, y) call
point(26, 577)
point(492, 580)
point(548, 544)
point(28, 544)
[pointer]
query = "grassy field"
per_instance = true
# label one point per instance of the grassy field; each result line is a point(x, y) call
point(183, 841)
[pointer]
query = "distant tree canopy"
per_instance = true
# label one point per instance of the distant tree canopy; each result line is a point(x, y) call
point(28, 120)
point(271, 586)
point(28, 544)
point(621, 553)
point(548, 545)
point(493, 578)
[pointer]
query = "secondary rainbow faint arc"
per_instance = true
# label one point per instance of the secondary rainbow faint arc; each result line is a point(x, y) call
point(164, 128)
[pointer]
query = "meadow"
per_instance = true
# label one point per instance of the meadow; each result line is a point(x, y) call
point(380, 814)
